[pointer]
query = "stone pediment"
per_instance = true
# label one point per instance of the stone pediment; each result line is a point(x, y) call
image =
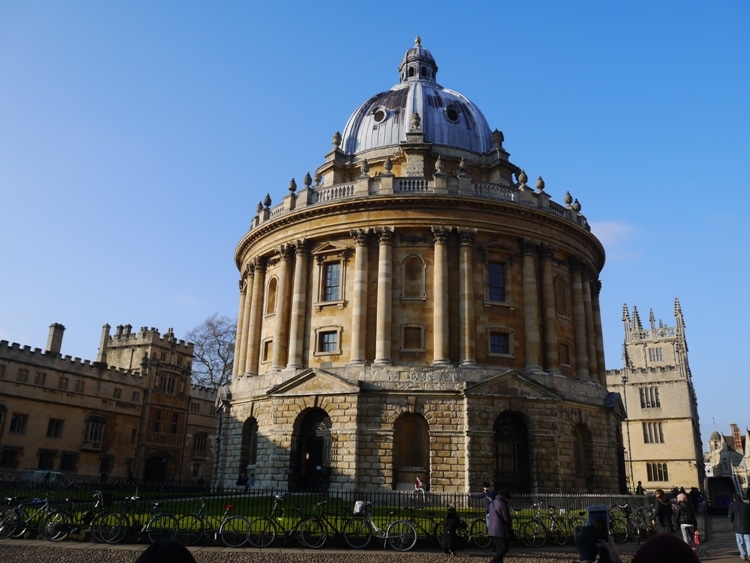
point(314, 382)
point(512, 383)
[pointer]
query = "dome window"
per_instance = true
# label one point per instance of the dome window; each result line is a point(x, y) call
point(379, 114)
point(451, 112)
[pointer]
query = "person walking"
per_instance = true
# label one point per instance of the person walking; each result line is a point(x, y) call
point(488, 493)
point(662, 513)
point(500, 526)
point(684, 516)
point(739, 516)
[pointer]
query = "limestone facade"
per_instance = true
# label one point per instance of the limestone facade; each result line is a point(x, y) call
point(662, 430)
point(414, 310)
point(132, 410)
point(729, 454)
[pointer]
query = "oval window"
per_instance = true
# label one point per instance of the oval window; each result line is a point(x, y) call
point(379, 114)
point(451, 112)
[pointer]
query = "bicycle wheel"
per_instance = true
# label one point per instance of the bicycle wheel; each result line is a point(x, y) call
point(94, 527)
point(560, 532)
point(11, 520)
point(55, 526)
point(162, 527)
point(533, 534)
point(312, 533)
point(190, 529)
point(112, 527)
point(357, 533)
point(235, 531)
point(478, 533)
point(402, 535)
point(618, 527)
point(21, 523)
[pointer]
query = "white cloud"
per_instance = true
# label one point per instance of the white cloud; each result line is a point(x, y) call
point(618, 239)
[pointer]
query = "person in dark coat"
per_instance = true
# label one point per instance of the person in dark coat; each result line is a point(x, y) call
point(662, 513)
point(453, 523)
point(739, 516)
point(684, 517)
point(500, 525)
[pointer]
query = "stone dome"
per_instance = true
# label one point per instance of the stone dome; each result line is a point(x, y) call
point(447, 117)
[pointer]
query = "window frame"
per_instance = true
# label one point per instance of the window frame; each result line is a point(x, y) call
point(55, 428)
point(490, 331)
point(18, 424)
point(324, 257)
point(402, 337)
point(422, 282)
point(501, 255)
point(323, 330)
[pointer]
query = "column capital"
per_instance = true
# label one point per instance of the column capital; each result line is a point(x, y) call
point(528, 246)
point(465, 236)
point(440, 234)
point(385, 235)
point(284, 251)
point(259, 264)
point(547, 251)
point(301, 247)
point(360, 236)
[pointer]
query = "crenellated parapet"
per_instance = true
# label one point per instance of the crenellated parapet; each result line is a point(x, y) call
point(124, 336)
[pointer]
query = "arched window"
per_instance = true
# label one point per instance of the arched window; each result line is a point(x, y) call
point(411, 451)
point(413, 277)
point(271, 296)
point(512, 467)
point(249, 444)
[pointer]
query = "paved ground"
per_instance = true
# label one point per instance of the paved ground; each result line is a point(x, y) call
point(718, 547)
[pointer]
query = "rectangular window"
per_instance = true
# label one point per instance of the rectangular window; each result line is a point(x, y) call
point(175, 423)
point(657, 472)
point(196, 470)
point(68, 462)
point(40, 378)
point(22, 376)
point(195, 407)
point(18, 423)
point(54, 428)
point(94, 433)
point(413, 338)
point(653, 433)
point(649, 397)
point(564, 354)
point(135, 397)
point(328, 341)
point(47, 459)
point(655, 355)
point(2, 371)
point(79, 386)
point(496, 281)
point(199, 445)
point(267, 351)
point(499, 343)
point(62, 383)
point(117, 394)
point(10, 458)
point(156, 422)
point(332, 281)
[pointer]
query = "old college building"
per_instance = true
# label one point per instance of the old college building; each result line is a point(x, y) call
point(416, 308)
point(132, 410)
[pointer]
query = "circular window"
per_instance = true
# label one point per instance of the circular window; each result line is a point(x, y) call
point(379, 114)
point(451, 112)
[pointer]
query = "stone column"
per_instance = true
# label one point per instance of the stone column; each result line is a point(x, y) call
point(359, 298)
point(590, 333)
point(299, 305)
point(466, 297)
point(281, 328)
point(549, 316)
point(530, 305)
point(256, 315)
point(243, 322)
point(440, 299)
point(579, 319)
point(596, 287)
point(385, 298)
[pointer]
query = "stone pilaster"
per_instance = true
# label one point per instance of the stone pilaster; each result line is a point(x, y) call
point(440, 299)
point(240, 341)
point(299, 293)
point(532, 337)
point(256, 310)
point(281, 328)
point(579, 318)
point(385, 298)
point(466, 297)
point(549, 316)
point(589, 315)
point(359, 299)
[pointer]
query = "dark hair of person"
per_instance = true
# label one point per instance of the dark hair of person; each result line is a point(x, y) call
point(166, 552)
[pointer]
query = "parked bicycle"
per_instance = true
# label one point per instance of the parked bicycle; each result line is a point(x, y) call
point(540, 529)
point(360, 528)
point(156, 526)
point(265, 529)
point(19, 516)
point(231, 530)
point(325, 524)
point(58, 525)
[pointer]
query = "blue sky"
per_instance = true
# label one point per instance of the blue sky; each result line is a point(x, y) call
point(136, 139)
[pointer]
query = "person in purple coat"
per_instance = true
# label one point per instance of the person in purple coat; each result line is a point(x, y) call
point(500, 525)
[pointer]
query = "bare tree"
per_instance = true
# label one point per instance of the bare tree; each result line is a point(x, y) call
point(214, 351)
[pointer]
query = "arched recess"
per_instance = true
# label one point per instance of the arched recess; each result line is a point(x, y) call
point(310, 457)
point(512, 467)
point(413, 277)
point(271, 296)
point(583, 459)
point(411, 451)
point(249, 445)
point(159, 468)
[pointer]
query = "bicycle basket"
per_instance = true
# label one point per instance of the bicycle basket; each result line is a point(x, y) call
point(359, 507)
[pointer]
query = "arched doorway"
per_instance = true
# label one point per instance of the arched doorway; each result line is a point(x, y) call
point(583, 459)
point(156, 469)
point(512, 469)
point(310, 461)
point(411, 451)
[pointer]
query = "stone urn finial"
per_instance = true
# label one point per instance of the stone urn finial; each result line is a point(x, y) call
point(416, 121)
point(498, 138)
point(462, 167)
point(259, 208)
point(267, 201)
point(540, 184)
point(568, 199)
point(292, 186)
point(365, 167)
point(522, 178)
point(388, 165)
point(318, 178)
point(336, 141)
point(438, 165)
point(308, 180)
point(576, 206)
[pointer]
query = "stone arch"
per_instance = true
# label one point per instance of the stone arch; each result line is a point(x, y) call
point(411, 451)
point(583, 459)
point(271, 291)
point(511, 453)
point(159, 467)
point(248, 445)
point(413, 270)
point(310, 455)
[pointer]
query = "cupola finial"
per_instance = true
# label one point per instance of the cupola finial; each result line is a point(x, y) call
point(418, 40)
